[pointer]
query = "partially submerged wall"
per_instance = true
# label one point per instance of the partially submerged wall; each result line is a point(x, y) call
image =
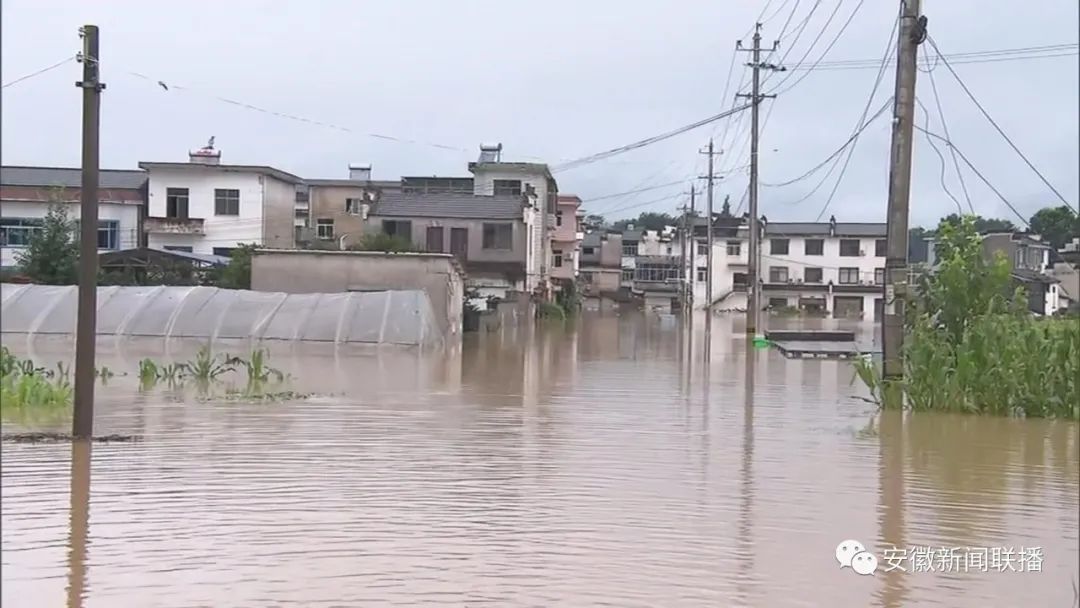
point(296, 271)
point(211, 314)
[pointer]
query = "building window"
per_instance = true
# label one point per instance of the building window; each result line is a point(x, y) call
point(778, 246)
point(558, 218)
point(353, 206)
point(226, 202)
point(702, 249)
point(588, 250)
point(16, 232)
point(849, 248)
point(702, 273)
point(814, 247)
point(628, 274)
point(402, 228)
point(778, 274)
point(739, 279)
point(879, 276)
point(812, 275)
point(734, 248)
point(511, 187)
point(176, 203)
point(777, 302)
point(180, 248)
point(108, 234)
point(225, 252)
point(324, 229)
point(880, 248)
point(849, 276)
point(629, 249)
point(498, 236)
point(657, 272)
point(558, 258)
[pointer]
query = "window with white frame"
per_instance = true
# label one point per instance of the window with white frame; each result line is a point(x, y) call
point(354, 206)
point(702, 249)
point(629, 249)
point(778, 274)
point(702, 273)
point(16, 232)
point(734, 248)
point(557, 254)
point(812, 275)
point(879, 276)
point(849, 248)
point(324, 229)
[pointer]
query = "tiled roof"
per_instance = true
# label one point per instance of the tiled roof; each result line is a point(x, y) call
point(69, 177)
point(449, 205)
point(358, 183)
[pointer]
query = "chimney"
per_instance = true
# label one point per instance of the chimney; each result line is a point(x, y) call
point(491, 153)
point(360, 172)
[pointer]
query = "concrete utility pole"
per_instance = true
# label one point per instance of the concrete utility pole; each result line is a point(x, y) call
point(709, 241)
point(753, 305)
point(86, 330)
point(683, 241)
point(912, 34)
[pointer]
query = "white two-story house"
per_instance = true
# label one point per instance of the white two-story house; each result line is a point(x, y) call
point(203, 206)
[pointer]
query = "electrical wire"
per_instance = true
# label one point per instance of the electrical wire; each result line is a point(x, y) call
point(798, 34)
point(629, 192)
point(573, 164)
point(824, 53)
point(970, 57)
point(976, 172)
point(945, 127)
point(832, 156)
point(814, 42)
point(986, 114)
point(38, 72)
point(926, 113)
point(893, 36)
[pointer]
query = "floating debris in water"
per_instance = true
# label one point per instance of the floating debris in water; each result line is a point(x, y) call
point(41, 437)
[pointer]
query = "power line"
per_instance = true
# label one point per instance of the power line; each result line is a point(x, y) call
point(976, 172)
point(629, 192)
point(893, 35)
point(986, 114)
point(573, 164)
point(923, 66)
point(835, 39)
point(38, 73)
point(813, 43)
point(1010, 53)
point(838, 151)
point(945, 127)
point(959, 207)
point(801, 28)
point(642, 204)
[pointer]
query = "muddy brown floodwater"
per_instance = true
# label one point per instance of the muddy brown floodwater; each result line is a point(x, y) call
point(597, 465)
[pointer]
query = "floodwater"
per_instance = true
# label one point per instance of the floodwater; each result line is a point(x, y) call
point(601, 465)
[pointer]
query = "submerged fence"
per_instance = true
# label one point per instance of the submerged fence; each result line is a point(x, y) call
point(210, 313)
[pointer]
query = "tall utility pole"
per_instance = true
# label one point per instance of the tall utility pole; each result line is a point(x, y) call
point(683, 244)
point(912, 33)
point(753, 305)
point(86, 330)
point(709, 240)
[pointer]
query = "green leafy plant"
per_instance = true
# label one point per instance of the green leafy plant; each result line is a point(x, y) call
point(206, 366)
point(51, 256)
point(258, 371)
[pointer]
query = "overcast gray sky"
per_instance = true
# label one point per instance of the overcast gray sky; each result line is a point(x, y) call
point(553, 80)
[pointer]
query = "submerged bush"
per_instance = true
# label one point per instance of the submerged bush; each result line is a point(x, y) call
point(971, 346)
point(25, 388)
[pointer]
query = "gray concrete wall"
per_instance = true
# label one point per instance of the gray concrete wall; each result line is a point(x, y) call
point(294, 271)
point(279, 212)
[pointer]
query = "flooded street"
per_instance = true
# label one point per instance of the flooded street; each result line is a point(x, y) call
point(596, 465)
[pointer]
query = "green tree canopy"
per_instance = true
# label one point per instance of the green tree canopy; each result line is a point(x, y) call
point(52, 254)
point(1057, 225)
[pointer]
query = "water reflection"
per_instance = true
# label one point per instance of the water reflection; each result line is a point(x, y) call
point(612, 461)
point(80, 522)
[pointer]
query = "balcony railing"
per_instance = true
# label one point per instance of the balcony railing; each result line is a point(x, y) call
point(173, 225)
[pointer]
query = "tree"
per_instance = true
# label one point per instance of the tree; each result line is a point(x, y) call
point(52, 253)
point(1057, 225)
point(237, 274)
point(648, 220)
point(981, 224)
point(594, 222)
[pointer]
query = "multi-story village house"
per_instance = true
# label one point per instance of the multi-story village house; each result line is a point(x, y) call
point(566, 241)
point(203, 206)
point(334, 212)
point(601, 264)
point(26, 192)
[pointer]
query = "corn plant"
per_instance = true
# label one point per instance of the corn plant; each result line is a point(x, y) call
point(206, 366)
point(256, 366)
